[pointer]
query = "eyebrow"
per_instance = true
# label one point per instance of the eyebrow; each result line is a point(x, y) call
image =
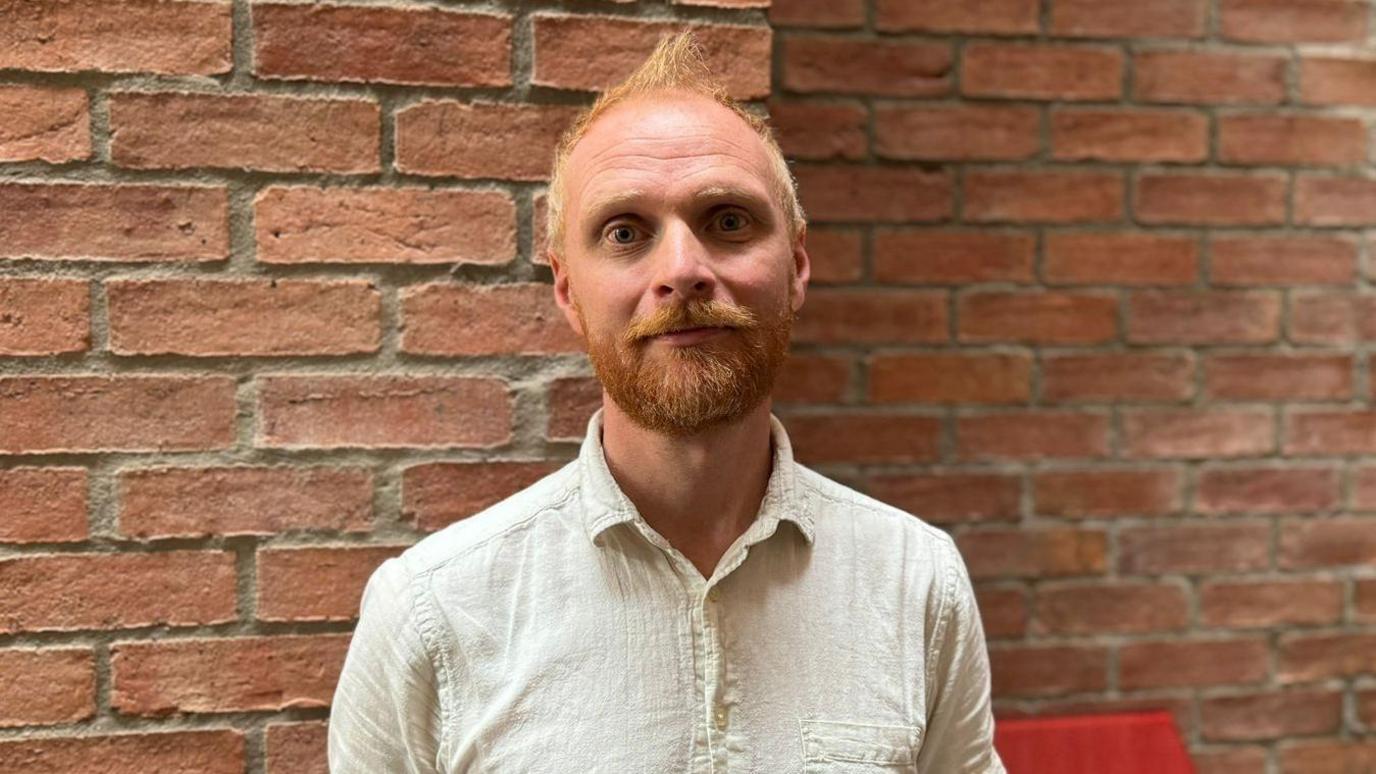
point(601, 208)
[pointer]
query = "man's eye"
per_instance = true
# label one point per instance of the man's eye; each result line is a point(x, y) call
point(622, 235)
point(731, 221)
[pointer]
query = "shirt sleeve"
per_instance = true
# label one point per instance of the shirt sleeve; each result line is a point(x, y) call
point(386, 716)
point(959, 737)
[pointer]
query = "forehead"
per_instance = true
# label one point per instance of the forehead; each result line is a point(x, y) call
point(662, 145)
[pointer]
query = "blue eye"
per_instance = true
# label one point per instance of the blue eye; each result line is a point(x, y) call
point(731, 221)
point(622, 235)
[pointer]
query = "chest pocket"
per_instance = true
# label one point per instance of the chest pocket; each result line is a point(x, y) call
point(835, 747)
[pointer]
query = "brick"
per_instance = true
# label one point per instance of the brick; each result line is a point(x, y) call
point(995, 17)
point(1334, 201)
point(571, 404)
point(114, 222)
point(812, 379)
point(1328, 757)
point(1271, 715)
point(1047, 670)
point(44, 124)
point(1080, 134)
point(864, 438)
point(831, 14)
point(957, 132)
point(211, 318)
point(1194, 548)
point(1043, 196)
point(1291, 139)
point(43, 505)
point(814, 63)
point(1078, 608)
point(1286, 260)
point(70, 592)
point(1230, 760)
point(382, 412)
point(1170, 664)
point(171, 130)
point(1120, 258)
point(416, 46)
point(1364, 601)
point(836, 254)
point(1255, 604)
point(1197, 432)
point(865, 194)
point(297, 748)
point(452, 319)
point(1337, 81)
point(157, 503)
point(539, 241)
point(953, 257)
point(951, 497)
point(46, 687)
point(1203, 317)
point(571, 52)
point(300, 224)
point(1114, 376)
point(178, 752)
point(1003, 611)
point(1285, 21)
point(1278, 377)
point(44, 316)
point(239, 674)
point(1366, 706)
point(1042, 71)
point(724, 3)
point(43, 414)
point(1033, 553)
point(1128, 19)
point(1031, 434)
point(1096, 494)
point(1173, 75)
point(1336, 542)
point(1228, 199)
point(1330, 432)
point(479, 139)
point(1037, 317)
point(1364, 488)
point(437, 494)
point(1270, 490)
point(953, 378)
point(175, 38)
point(1308, 657)
point(873, 317)
point(1332, 318)
point(316, 583)
point(820, 129)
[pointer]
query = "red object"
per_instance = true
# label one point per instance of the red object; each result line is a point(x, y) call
point(1121, 743)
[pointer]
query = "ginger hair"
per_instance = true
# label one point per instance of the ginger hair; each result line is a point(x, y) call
point(677, 65)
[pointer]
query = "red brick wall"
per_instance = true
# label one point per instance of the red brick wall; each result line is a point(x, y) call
point(1092, 292)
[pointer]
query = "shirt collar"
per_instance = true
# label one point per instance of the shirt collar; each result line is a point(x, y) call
point(605, 505)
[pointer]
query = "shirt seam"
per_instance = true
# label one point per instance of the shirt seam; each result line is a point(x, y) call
point(427, 628)
point(946, 606)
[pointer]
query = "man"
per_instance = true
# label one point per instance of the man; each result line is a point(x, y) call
point(683, 597)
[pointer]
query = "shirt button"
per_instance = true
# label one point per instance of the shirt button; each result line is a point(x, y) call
point(713, 596)
point(721, 717)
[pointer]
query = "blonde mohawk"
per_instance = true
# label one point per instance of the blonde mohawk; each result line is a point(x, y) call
point(677, 64)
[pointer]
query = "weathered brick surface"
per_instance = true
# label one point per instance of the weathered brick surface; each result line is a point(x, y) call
point(234, 674)
point(388, 45)
point(298, 224)
point(243, 500)
point(68, 592)
point(1090, 292)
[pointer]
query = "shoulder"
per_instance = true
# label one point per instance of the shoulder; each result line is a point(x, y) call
point(834, 504)
point(511, 516)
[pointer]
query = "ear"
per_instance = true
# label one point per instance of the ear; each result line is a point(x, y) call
point(802, 269)
point(563, 293)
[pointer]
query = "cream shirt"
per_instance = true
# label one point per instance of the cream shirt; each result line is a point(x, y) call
point(558, 632)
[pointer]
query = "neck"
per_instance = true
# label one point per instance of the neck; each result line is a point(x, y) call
point(701, 491)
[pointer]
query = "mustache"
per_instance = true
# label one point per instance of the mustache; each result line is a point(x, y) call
point(693, 314)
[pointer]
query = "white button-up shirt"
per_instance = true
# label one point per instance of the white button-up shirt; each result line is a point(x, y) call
point(558, 632)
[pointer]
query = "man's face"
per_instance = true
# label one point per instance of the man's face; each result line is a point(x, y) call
point(677, 265)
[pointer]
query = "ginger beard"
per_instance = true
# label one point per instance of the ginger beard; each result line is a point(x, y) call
point(683, 390)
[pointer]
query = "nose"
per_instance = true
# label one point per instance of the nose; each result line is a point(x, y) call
point(682, 267)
